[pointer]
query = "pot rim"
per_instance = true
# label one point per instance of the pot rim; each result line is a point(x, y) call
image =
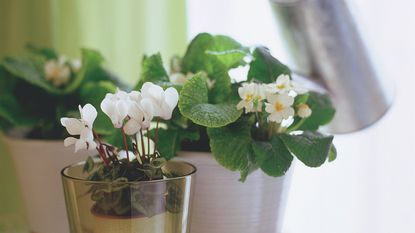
point(75, 179)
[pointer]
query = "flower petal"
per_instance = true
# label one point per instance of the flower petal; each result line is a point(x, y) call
point(171, 97)
point(89, 114)
point(69, 141)
point(132, 127)
point(92, 145)
point(80, 144)
point(73, 126)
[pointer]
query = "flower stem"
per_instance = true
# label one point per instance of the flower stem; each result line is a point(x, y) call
point(148, 142)
point(100, 148)
point(136, 149)
point(126, 145)
point(297, 126)
point(142, 144)
point(156, 138)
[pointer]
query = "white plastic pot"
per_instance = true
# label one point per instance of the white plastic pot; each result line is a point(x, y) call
point(38, 164)
point(222, 204)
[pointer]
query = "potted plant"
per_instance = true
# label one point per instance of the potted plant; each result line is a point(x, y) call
point(36, 89)
point(132, 188)
point(254, 126)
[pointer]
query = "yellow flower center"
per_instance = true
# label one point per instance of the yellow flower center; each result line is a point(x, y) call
point(249, 97)
point(279, 107)
point(281, 86)
point(55, 72)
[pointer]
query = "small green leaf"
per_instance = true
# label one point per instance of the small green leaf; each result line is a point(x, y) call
point(89, 165)
point(312, 148)
point(273, 157)
point(322, 111)
point(231, 145)
point(194, 105)
point(265, 67)
point(152, 70)
point(301, 99)
point(332, 153)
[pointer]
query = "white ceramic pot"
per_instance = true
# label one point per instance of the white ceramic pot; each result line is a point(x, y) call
point(38, 164)
point(222, 204)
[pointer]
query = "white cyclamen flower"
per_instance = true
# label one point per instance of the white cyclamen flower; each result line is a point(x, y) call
point(163, 101)
point(252, 95)
point(279, 107)
point(140, 113)
point(115, 106)
point(57, 71)
point(81, 127)
point(303, 111)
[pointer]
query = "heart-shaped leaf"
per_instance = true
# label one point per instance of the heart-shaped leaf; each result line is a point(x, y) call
point(311, 148)
point(194, 105)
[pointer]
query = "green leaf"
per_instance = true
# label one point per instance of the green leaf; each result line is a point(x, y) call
point(7, 82)
point(30, 69)
point(48, 53)
point(214, 55)
point(265, 67)
point(273, 157)
point(332, 153)
point(94, 93)
point(168, 143)
point(228, 51)
point(194, 105)
point(251, 166)
point(91, 59)
point(231, 146)
point(11, 112)
point(322, 111)
point(312, 148)
point(152, 70)
point(89, 165)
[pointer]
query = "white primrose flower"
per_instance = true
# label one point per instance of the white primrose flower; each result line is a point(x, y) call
point(304, 111)
point(76, 65)
point(57, 71)
point(285, 85)
point(140, 113)
point(178, 78)
point(81, 127)
point(163, 101)
point(115, 106)
point(279, 107)
point(252, 95)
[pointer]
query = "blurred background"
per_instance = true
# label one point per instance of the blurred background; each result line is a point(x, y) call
point(369, 188)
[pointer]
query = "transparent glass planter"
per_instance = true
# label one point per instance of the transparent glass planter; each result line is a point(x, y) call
point(159, 206)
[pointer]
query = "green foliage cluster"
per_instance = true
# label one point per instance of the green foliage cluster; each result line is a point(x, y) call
point(33, 105)
point(208, 113)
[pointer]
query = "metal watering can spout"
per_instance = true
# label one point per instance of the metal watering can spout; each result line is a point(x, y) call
point(324, 44)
